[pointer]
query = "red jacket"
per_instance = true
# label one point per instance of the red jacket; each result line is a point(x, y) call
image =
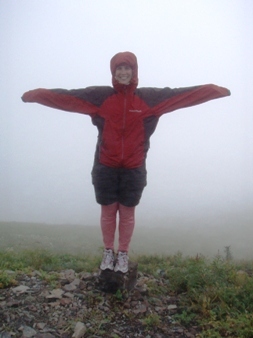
point(126, 116)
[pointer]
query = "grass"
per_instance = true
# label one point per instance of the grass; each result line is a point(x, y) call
point(216, 295)
point(46, 260)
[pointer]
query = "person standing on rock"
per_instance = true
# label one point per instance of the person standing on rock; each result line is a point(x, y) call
point(126, 117)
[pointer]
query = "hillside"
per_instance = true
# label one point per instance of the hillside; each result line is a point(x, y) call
point(163, 239)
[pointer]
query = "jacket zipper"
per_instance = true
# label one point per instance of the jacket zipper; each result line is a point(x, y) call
point(123, 126)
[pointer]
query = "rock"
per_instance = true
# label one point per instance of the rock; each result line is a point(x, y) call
point(156, 301)
point(143, 290)
point(86, 276)
point(41, 326)
point(82, 285)
point(178, 329)
point(5, 335)
point(159, 309)
point(68, 295)
point(70, 287)
point(55, 294)
point(172, 307)
point(44, 335)
point(20, 289)
point(30, 299)
point(80, 330)
point(111, 281)
point(73, 285)
point(136, 295)
point(65, 301)
point(28, 332)
point(69, 275)
point(189, 335)
point(141, 308)
point(76, 282)
point(13, 303)
point(51, 312)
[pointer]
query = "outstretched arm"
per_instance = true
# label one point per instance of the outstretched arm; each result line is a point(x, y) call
point(84, 101)
point(169, 100)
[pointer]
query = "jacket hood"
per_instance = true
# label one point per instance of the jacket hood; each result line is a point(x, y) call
point(131, 60)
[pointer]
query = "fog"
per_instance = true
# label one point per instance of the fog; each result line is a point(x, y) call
point(200, 162)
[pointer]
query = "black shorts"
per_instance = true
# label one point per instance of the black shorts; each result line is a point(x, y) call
point(118, 184)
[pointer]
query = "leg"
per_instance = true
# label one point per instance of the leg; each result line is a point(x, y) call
point(131, 185)
point(108, 227)
point(126, 226)
point(108, 224)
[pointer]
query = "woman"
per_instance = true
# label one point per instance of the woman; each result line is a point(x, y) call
point(126, 117)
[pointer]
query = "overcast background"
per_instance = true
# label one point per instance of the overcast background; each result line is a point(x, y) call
point(200, 163)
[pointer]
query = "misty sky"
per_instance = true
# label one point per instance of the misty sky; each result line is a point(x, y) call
point(201, 158)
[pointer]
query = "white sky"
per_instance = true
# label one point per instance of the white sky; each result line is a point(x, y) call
point(201, 158)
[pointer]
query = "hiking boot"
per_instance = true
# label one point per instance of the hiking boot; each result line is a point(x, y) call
point(108, 260)
point(121, 262)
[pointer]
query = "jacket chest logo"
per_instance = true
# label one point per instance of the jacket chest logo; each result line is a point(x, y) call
point(135, 111)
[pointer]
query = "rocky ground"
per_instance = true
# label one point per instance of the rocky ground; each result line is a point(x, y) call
point(73, 305)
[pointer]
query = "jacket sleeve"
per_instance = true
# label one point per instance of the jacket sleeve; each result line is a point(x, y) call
point(169, 100)
point(68, 100)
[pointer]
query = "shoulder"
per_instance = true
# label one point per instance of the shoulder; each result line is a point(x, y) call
point(94, 94)
point(100, 89)
point(93, 90)
point(152, 95)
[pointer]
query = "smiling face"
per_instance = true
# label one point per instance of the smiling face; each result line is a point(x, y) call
point(127, 71)
point(123, 74)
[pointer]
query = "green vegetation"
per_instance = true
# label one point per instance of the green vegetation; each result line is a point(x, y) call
point(46, 261)
point(216, 295)
point(151, 320)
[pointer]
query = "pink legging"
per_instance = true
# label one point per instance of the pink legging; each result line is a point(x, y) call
point(108, 225)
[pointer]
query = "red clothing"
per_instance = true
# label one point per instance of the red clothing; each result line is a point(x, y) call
point(126, 116)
